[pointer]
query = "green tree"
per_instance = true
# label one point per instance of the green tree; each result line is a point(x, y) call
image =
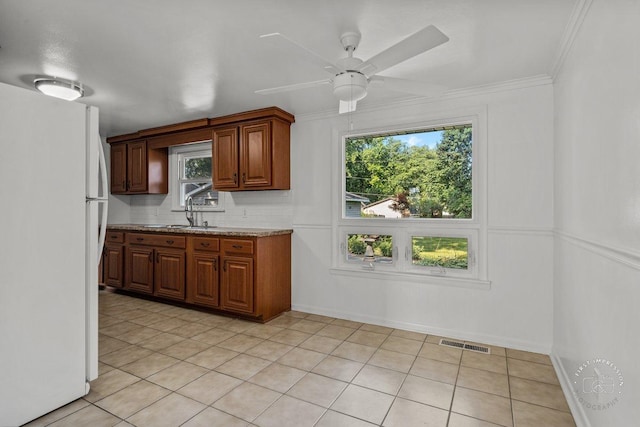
point(450, 179)
point(197, 167)
point(430, 181)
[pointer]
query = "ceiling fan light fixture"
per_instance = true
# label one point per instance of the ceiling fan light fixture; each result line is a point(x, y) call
point(350, 86)
point(59, 88)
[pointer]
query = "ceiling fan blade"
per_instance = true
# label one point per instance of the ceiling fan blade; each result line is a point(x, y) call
point(425, 39)
point(290, 45)
point(347, 107)
point(289, 88)
point(408, 86)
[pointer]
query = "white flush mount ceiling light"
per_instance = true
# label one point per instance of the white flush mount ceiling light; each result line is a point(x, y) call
point(59, 88)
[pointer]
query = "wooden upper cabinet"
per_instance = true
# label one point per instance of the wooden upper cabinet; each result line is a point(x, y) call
point(255, 152)
point(136, 169)
point(252, 156)
point(118, 168)
point(250, 150)
point(225, 151)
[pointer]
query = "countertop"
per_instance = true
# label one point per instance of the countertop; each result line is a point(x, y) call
point(214, 231)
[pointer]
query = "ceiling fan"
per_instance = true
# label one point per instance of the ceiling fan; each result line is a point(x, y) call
point(352, 76)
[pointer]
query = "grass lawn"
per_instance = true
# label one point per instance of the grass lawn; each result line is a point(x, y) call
point(447, 252)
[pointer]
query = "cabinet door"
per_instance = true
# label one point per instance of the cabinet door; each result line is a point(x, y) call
point(137, 166)
point(170, 273)
point(202, 276)
point(225, 158)
point(113, 265)
point(139, 268)
point(118, 168)
point(255, 155)
point(236, 287)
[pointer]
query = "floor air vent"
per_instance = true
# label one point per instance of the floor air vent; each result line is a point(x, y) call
point(470, 347)
point(450, 343)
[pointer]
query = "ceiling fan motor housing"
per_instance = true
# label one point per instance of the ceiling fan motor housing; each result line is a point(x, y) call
point(350, 86)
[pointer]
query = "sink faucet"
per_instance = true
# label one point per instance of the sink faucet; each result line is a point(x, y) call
point(188, 209)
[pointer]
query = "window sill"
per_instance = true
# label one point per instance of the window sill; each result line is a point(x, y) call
point(426, 279)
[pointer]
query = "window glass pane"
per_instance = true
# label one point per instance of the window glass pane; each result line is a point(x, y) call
point(197, 167)
point(369, 248)
point(419, 174)
point(201, 193)
point(445, 252)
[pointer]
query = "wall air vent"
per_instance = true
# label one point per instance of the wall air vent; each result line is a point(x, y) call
point(463, 346)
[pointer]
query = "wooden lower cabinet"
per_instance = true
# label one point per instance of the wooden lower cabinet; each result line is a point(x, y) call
point(139, 269)
point(169, 274)
point(246, 276)
point(112, 265)
point(237, 284)
point(202, 277)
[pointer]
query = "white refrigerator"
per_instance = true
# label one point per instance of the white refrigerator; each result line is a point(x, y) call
point(52, 225)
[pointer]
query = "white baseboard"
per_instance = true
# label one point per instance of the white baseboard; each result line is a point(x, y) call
point(577, 410)
point(425, 329)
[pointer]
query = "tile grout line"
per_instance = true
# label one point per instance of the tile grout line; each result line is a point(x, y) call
point(127, 310)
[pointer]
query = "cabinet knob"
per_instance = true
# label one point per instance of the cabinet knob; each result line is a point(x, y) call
point(170, 242)
point(235, 178)
point(139, 239)
point(205, 244)
point(244, 178)
point(151, 257)
point(215, 264)
point(237, 246)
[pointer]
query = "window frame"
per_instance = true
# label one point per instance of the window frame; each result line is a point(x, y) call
point(176, 154)
point(402, 229)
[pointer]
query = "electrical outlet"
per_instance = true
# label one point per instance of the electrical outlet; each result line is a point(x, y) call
point(244, 213)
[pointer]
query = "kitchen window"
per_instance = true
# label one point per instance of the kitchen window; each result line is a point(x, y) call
point(191, 177)
point(412, 201)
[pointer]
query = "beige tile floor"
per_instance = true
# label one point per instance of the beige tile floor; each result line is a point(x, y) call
point(162, 365)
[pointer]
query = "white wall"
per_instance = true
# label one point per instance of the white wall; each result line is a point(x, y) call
point(516, 311)
point(597, 204)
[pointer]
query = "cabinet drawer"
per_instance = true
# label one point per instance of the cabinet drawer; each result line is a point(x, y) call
point(238, 246)
point(205, 244)
point(164, 240)
point(115, 237)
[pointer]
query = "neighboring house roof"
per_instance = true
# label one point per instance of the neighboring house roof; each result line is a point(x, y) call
point(380, 202)
point(383, 208)
point(351, 197)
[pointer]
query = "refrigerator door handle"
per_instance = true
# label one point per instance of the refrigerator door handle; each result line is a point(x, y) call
point(103, 198)
point(103, 170)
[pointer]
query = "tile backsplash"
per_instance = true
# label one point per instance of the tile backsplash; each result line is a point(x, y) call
point(262, 209)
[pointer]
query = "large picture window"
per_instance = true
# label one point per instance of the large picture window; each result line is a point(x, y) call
point(411, 202)
point(425, 173)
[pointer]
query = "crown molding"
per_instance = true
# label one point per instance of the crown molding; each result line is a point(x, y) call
point(515, 84)
point(570, 32)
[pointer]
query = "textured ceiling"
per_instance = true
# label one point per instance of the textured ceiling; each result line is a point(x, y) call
point(152, 62)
